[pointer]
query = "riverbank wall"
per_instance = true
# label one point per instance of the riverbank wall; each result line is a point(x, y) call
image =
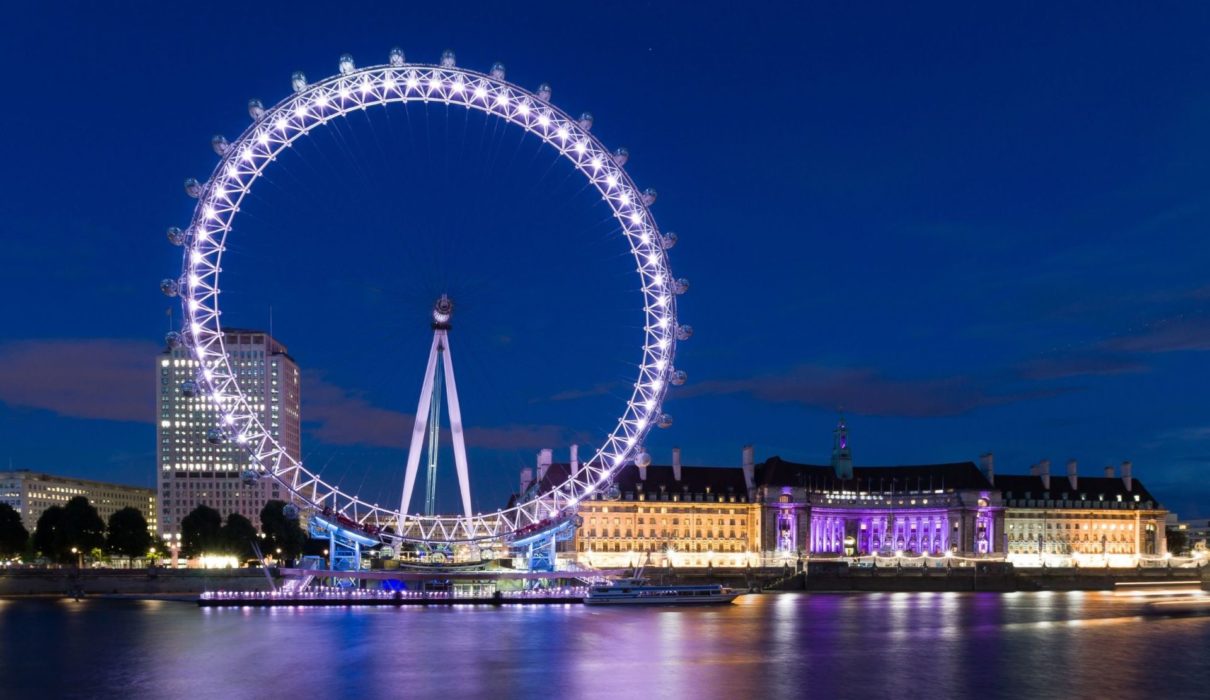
point(986, 577)
point(130, 582)
point(989, 576)
point(816, 576)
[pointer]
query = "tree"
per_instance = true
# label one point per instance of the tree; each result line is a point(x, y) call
point(237, 536)
point(81, 527)
point(128, 535)
point(201, 531)
point(60, 528)
point(1178, 540)
point(281, 532)
point(47, 537)
point(13, 535)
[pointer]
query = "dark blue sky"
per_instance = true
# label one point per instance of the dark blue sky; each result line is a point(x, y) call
point(975, 229)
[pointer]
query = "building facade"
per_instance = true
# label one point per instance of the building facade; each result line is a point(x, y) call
point(780, 510)
point(1107, 520)
point(957, 510)
point(665, 515)
point(31, 493)
point(845, 511)
point(191, 470)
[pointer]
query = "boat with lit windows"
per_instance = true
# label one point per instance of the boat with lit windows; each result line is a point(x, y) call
point(638, 591)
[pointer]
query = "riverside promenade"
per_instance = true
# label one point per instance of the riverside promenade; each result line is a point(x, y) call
point(150, 582)
point(828, 576)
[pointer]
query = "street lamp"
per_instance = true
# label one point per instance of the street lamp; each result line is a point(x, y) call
point(79, 557)
point(173, 542)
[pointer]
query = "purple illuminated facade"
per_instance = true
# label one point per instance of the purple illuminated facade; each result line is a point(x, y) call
point(849, 520)
point(856, 531)
point(843, 510)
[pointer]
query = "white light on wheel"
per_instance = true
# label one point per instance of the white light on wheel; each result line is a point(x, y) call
point(311, 105)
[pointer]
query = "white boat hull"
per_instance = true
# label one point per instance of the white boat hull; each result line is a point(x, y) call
point(714, 599)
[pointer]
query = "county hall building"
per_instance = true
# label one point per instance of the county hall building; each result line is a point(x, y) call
point(768, 513)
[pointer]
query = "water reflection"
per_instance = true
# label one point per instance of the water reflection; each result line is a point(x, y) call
point(791, 645)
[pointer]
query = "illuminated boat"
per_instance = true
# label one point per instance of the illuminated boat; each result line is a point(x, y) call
point(637, 591)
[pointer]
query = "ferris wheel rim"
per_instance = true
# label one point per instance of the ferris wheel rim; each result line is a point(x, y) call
point(242, 163)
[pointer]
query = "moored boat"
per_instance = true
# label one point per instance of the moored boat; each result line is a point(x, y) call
point(638, 591)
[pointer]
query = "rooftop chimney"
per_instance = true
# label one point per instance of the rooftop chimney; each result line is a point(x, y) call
point(1044, 472)
point(1127, 477)
point(1109, 472)
point(1034, 470)
point(1071, 473)
point(749, 467)
point(527, 478)
point(575, 459)
point(988, 463)
point(676, 463)
point(544, 459)
point(642, 471)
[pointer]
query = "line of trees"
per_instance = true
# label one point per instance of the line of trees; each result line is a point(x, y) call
point(77, 526)
point(14, 538)
point(203, 531)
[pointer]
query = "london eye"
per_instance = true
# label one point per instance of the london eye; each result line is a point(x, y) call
point(244, 160)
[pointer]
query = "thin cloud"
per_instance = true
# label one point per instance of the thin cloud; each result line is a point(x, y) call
point(602, 389)
point(522, 437)
point(869, 392)
point(338, 416)
point(1171, 335)
point(114, 379)
point(100, 379)
point(1197, 433)
point(1087, 365)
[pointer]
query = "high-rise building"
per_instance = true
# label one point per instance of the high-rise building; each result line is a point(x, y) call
point(192, 471)
point(31, 493)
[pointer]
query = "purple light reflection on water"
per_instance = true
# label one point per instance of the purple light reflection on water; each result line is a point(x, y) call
point(895, 645)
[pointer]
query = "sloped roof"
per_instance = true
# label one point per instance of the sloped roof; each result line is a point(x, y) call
point(776, 471)
point(1094, 487)
point(694, 480)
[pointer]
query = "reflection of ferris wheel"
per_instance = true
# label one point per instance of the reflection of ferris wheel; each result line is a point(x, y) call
point(243, 161)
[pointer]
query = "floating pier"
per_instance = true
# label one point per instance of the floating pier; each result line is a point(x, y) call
point(337, 597)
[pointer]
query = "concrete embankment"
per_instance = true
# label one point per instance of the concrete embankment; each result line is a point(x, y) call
point(984, 578)
point(994, 576)
point(149, 583)
point(818, 576)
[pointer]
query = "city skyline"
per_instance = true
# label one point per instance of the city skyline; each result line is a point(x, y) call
point(988, 246)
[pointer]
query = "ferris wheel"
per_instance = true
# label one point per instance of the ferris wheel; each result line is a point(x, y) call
point(243, 161)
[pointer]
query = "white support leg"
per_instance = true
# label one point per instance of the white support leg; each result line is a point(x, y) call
point(456, 429)
point(421, 423)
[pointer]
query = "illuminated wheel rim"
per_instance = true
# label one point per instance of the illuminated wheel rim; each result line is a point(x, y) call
point(244, 160)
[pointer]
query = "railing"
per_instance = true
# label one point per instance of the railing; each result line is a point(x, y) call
point(320, 594)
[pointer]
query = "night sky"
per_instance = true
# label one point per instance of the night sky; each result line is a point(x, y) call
point(972, 229)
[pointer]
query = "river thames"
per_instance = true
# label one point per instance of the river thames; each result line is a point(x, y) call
point(793, 645)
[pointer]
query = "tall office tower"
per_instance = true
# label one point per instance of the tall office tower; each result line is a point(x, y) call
point(191, 470)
